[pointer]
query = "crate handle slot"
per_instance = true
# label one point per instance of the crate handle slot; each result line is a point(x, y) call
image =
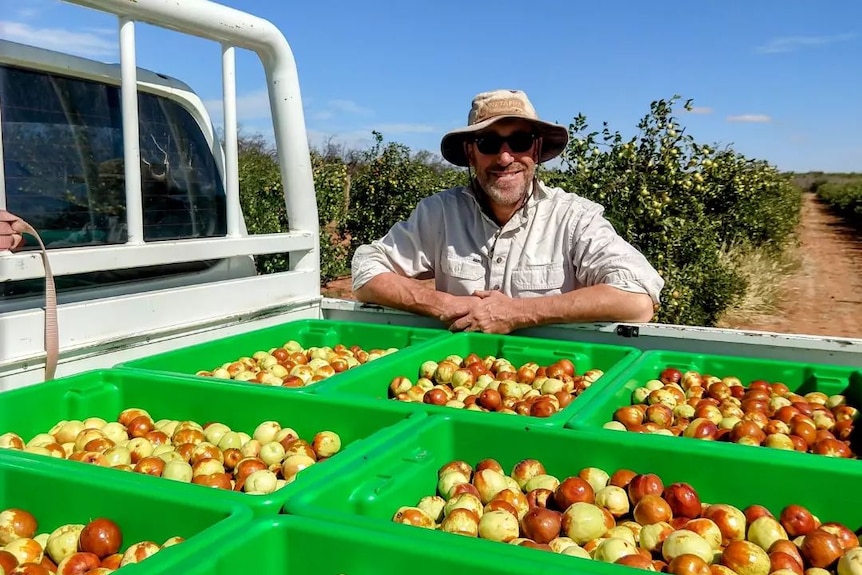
point(400, 473)
point(322, 333)
point(80, 398)
point(829, 384)
point(510, 348)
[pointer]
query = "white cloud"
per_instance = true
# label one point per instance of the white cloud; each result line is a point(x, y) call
point(91, 44)
point(750, 118)
point(30, 9)
point(253, 110)
point(250, 106)
point(404, 128)
point(792, 43)
point(699, 110)
point(100, 31)
point(349, 107)
point(350, 140)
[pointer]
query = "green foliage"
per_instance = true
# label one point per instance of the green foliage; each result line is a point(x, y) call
point(261, 197)
point(680, 202)
point(331, 186)
point(262, 200)
point(359, 195)
point(844, 197)
point(388, 185)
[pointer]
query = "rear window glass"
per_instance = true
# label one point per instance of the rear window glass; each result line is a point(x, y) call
point(64, 173)
point(64, 168)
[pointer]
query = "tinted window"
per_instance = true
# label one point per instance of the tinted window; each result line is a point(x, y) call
point(63, 160)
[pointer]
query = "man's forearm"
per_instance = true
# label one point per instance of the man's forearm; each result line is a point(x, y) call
point(594, 303)
point(406, 294)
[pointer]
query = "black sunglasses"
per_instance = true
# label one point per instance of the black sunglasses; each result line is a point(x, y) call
point(518, 142)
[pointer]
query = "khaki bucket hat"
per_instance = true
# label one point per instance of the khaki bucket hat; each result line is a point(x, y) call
point(496, 105)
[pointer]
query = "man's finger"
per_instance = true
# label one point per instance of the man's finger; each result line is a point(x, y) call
point(10, 242)
point(11, 228)
point(460, 324)
point(12, 221)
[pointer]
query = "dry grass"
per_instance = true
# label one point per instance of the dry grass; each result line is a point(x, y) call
point(765, 272)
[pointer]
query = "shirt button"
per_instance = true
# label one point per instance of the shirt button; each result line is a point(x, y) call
point(499, 259)
point(497, 286)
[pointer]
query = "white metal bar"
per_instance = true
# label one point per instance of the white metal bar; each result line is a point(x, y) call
point(231, 168)
point(152, 315)
point(65, 261)
point(228, 25)
point(2, 168)
point(131, 139)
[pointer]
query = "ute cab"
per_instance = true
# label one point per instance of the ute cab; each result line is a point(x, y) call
point(136, 199)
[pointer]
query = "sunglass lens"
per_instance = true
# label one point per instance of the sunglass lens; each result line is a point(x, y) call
point(518, 142)
point(489, 144)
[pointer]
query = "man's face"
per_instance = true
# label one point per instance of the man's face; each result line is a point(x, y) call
point(503, 172)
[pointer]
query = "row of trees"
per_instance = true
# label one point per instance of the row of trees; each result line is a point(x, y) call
point(682, 203)
point(843, 194)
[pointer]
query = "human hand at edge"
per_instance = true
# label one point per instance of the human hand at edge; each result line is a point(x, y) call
point(11, 229)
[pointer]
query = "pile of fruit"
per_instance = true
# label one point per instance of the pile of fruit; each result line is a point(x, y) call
point(291, 365)
point(495, 384)
point(703, 406)
point(212, 454)
point(630, 519)
point(95, 548)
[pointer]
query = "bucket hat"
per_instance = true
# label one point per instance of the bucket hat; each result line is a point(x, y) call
point(493, 106)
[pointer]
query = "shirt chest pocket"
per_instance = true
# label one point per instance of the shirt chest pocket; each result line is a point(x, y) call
point(538, 280)
point(464, 274)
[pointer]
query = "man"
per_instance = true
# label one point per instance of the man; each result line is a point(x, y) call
point(507, 252)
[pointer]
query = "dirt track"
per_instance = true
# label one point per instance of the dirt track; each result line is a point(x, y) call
point(824, 297)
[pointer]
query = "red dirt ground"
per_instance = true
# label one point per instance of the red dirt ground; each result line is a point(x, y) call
point(824, 296)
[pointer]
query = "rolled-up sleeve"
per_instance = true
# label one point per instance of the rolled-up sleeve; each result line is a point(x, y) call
point(407, 249)
point(601, 256)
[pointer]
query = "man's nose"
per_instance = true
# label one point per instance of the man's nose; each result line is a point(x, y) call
point(506, 156)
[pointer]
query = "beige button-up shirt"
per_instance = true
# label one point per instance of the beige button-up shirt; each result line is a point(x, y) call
point(557, 242)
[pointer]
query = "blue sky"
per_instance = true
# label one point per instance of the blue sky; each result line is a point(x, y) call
point(777, 79)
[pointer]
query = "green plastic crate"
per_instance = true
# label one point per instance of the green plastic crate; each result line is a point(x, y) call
point(799, 377)
point(406, 471)
point(105, 393)
point(59, 494)
point(291, 545)
point(309, 333)
point(373, 382)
